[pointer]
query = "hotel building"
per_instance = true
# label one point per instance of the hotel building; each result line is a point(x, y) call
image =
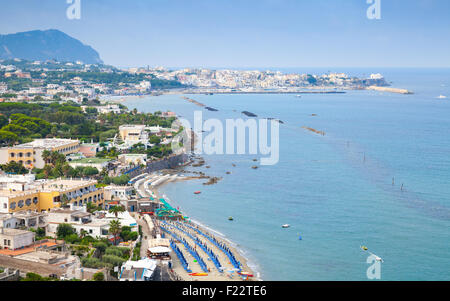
point(41, 195)
point(30, 154)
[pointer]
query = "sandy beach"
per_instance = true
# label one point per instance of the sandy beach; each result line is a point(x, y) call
point(193, 234)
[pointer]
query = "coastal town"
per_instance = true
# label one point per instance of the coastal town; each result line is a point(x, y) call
point(37, 81)
point(79, 197)
point(80, 172)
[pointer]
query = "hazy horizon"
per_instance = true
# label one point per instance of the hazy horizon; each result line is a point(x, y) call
point(250, 34)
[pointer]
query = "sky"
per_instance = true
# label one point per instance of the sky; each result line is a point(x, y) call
point(247, 33)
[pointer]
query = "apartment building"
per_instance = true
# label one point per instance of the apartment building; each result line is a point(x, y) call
point(80, 220)
point(44, 195)
point(13, 239)
point(30, 154)
point(133, 133)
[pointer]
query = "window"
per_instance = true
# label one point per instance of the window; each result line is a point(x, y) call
point(90, 231)
point(28, 202)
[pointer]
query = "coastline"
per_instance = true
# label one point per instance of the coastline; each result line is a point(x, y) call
point(303, 91)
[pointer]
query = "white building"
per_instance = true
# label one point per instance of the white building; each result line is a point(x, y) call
point(135, 159)
point(80, 220)
point(133, 134)
point(8, 221)
point(141, 270)
point(118, 193)
point(13, 239)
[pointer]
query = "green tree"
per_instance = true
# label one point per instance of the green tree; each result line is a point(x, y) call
point(115, 228)
point(3, 120)
point(17, 129)
point(90, 171)
point(116, 210)
point(64, 200)
point(47, 171)
point(100, 246)
point(155, 140)
point(14, 168)
point(64, 230)
point(46, 155)
point(7, 137)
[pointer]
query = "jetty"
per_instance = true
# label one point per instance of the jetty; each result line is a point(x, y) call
point(249, 114)
point(193, 101)
point(390, 90)
point(314, 130)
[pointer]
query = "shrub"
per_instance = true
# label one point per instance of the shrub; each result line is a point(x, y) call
point(112, 259)
point(72, 239)
point(92, 262)
point(64, 230)
point(127, 235)
point(100, 246)
point(98, 276)
point(113, 251)
point(118, 251)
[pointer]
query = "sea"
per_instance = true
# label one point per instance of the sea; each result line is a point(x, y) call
point(380, 178)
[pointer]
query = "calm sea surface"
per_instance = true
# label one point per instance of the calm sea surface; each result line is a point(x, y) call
point(335, 191)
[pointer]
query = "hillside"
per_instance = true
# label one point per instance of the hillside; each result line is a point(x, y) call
point(46, 45)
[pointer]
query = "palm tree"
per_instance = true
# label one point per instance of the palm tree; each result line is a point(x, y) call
point(64, 200)
point(47, 171)
point(116, 210)
point(66, 169)
point(46, 156)
point(115, 228)
point(54, 158)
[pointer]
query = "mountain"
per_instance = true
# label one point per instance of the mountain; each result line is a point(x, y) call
point(46, 45)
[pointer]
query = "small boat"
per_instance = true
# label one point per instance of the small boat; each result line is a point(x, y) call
point(230, 218)
point(364, 248)
point(300, 237)
point(198, 274)
point(285, 226)
point(246, 274)
point(442, 96)
point(197, 192)
point(255, 167)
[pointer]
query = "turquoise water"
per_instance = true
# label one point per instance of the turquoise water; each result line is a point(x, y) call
point(335, 191)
